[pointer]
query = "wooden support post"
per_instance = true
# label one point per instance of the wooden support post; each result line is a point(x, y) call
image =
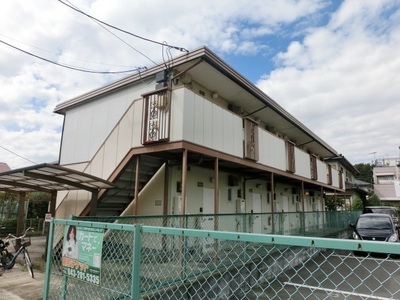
point(21, 213)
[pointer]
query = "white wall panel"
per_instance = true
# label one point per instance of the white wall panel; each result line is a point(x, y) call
point(237, 131)
point(178, 97)
point(96, 165)
point(125, 135)
point(204, 123)
point(272, 150)
point(228, 135)
point(110, 154)
point(217, 131)
point(322, 171)
point(198, 120)
point(86, 127)
point(137, 123)
point(303, 167)
point(335, 178)
point(208, 124)
point(188, 117)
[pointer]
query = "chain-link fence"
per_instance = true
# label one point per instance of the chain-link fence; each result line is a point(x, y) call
point(119, 261)
point(39, 225)
point(320, 223)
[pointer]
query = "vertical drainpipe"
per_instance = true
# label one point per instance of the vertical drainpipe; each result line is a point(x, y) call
point(184, 181)
point(272, 202)
point(165, 203)
point(272, 193)
point(322, 199)
point(136, 201)
point(166, 188)
point(216, 192)
point(302, 196)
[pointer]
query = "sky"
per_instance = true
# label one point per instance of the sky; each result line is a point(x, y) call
point(333, 65)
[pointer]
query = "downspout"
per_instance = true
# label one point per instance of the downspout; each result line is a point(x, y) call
point(184, 181)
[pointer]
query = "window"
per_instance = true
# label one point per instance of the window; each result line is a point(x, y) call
point(385, 179)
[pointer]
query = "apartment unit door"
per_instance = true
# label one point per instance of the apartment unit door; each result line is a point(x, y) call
point(285, 214)
point(207, 222)
point(256, 217)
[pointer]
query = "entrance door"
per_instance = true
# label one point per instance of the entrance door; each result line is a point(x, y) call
point(256, 212)
point(207, 222)
point(285, 214)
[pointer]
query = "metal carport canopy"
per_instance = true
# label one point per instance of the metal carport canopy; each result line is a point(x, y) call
point(50, 178)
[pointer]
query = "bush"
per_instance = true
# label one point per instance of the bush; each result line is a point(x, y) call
point(8, 226)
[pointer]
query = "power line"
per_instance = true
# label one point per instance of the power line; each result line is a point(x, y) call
point(18, 155)
point(109, 31)
point(124, 31)
point(71, 67)
point(71, 57)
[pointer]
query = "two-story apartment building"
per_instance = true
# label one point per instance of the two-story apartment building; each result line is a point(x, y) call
point(386, 174)
point(193, 136)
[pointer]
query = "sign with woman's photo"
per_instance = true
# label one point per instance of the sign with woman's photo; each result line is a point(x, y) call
point(81, 254)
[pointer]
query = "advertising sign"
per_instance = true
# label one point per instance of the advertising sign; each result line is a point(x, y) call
point(81, 255)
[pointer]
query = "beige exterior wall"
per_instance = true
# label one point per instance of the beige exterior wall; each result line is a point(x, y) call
point(194, 119)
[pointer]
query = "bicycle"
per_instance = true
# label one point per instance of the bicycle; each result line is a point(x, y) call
point(7, 260)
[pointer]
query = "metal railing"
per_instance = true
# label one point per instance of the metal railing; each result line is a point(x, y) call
point(120, 261)
point(39, 225)
point(319, 223)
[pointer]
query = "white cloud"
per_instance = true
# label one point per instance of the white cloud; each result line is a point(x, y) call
point(341, 75)
point(342, 79)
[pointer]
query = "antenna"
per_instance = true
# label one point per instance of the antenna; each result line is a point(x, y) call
point(374, 155)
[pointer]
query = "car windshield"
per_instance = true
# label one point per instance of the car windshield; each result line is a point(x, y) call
point(374, 223)
point(383, 210)
point(390, 213)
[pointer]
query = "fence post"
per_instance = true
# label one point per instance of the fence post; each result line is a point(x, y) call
point(48, 259)
point(137, 245)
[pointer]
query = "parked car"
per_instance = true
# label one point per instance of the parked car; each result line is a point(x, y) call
point(389, 210)
point(375, 227)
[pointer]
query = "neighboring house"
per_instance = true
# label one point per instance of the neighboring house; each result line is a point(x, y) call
point(357, 189)
point(193, 136)
point(386, 174)
point(4, 167)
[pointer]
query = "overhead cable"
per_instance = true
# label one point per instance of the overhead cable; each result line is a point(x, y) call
point(18, 155)
point(71, 67)
point(124, 31)
point(109, 31)
point(71, 57)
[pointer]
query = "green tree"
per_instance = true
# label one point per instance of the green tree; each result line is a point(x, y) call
point(333, 203)
point(365, 172)
point(373, 200)
point(357, 204)
point(38, 204)
point(8, 205)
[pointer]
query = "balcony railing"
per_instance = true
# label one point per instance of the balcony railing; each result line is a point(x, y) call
point(156, 116)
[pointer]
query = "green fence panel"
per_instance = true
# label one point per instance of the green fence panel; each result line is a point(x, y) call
point(157, 262)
